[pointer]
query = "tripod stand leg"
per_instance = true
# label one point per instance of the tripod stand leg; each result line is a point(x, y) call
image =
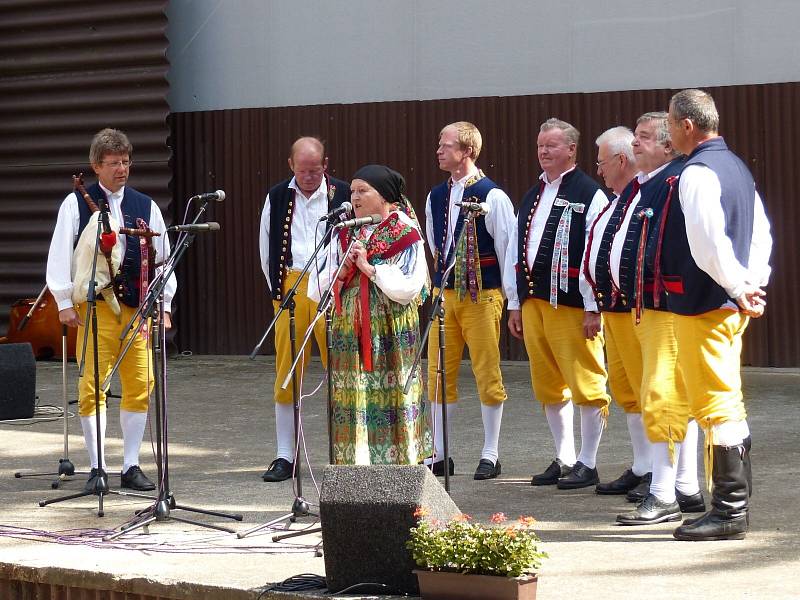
point(213, 513)
point(283, 536)
point(268, 525)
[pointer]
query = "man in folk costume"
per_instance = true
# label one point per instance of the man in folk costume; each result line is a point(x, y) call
point(292, 223)
point(110, 158)
point(616, 164)
point(712, 257)
point(473, 298)
point(551, 307)
point(672, 442)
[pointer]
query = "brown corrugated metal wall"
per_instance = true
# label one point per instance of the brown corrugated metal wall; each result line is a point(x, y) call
point(223, 298)
point(67, 70)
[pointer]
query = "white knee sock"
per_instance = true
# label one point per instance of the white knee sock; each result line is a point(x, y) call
point(559, 418)
point(437, 429)
point(662, 485)
point(686, 477)
point(284, 430)
point(133, 425)
point(492, 416)
point(641, 445)
point(591, 432)
point(730, 433)
point(89, 426)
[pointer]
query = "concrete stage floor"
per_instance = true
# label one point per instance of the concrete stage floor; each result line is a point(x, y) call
point(221, 433)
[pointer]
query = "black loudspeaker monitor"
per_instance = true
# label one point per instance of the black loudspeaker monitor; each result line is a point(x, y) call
point(366, 514)
point(17, 381)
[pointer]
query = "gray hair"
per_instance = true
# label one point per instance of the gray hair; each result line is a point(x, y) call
point(109, 141)
point(619, 140)
point(697, 106)
point(570, 132)
point(659, 121)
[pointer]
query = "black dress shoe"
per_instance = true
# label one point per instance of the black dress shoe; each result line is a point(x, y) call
point(691, 504)
point(640, 492)
point(487, 469)
point(97, 482)
point(279, 470)
point(580, 477)
point(621, 485)
point(134, 479)
point(552, 474)
point(438, 467)
point(651, 511)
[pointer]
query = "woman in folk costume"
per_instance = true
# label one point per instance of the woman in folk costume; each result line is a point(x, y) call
point(383, 281)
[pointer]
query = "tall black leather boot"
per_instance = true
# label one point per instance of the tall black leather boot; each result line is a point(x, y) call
point(727, 519)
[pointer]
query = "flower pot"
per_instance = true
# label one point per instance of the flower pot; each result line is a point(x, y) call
point(443, 585)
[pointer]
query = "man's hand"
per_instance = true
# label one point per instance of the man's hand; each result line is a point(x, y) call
point(69, 317)
point(515, 323)
point(751, 301)
point(167, 320)
point(592, 324)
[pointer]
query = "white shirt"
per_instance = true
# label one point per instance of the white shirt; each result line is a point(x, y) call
point(601, 222)
point(400, 282)
point(59, 259)
point(712, 250)
point(540, 217)
point(306, 232)
point(499, 220)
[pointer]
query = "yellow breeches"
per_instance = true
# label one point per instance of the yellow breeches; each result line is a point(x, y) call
point(304, 312)
point(709, 358)
point(665, 403)
point(624, 356)
point(476, 324)
point(564, 365)
point(135, 370)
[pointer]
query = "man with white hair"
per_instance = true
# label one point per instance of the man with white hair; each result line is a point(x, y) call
point(712, 257)
point(548, 307)
point(616, 164)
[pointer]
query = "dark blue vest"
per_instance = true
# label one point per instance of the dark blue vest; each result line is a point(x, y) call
point(281, 206)
point(654, 193)
point(576, 187)
point(135, 205)
point(690, 290)
point(607, 299)
point(440, 202)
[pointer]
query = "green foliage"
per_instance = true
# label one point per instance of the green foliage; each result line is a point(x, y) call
point(465, 547)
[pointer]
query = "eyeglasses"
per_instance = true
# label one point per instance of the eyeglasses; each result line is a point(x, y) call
point(605, 160)
point(125, 164)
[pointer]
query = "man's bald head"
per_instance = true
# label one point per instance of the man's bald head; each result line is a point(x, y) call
point(308, 162)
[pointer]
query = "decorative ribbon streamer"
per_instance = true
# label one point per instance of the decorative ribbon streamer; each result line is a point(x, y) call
point(559, 268)
point(645, 215)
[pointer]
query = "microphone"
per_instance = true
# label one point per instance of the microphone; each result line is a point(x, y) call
point(196, 227)
point(219, 196)
point(345, 207)
point(478, 207)
point(108, 238)
point(370, 220)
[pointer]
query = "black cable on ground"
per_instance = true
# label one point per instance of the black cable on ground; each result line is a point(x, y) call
point(297, 583)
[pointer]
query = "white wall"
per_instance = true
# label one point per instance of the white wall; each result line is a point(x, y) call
point(258, 53)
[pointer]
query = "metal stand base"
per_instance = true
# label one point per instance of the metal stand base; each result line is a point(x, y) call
point(300, 508)
point(65, 470)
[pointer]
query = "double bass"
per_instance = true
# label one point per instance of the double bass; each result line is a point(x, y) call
point(35, 321)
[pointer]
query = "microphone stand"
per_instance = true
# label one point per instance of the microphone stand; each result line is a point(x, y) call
point(100, 487)
point(66, 468)
point(300, 507)
point(437, 312)
point(165, 502)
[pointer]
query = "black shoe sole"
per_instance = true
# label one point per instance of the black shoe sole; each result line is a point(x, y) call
point(712, 538)
point(576, 486)
point(610, 492)
point(484, 477)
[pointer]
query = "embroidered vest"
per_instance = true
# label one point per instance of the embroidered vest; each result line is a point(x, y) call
point(535, 281)
point(281, 201)
point(135, 205)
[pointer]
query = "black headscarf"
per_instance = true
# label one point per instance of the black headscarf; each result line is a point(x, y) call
point(387, 182)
